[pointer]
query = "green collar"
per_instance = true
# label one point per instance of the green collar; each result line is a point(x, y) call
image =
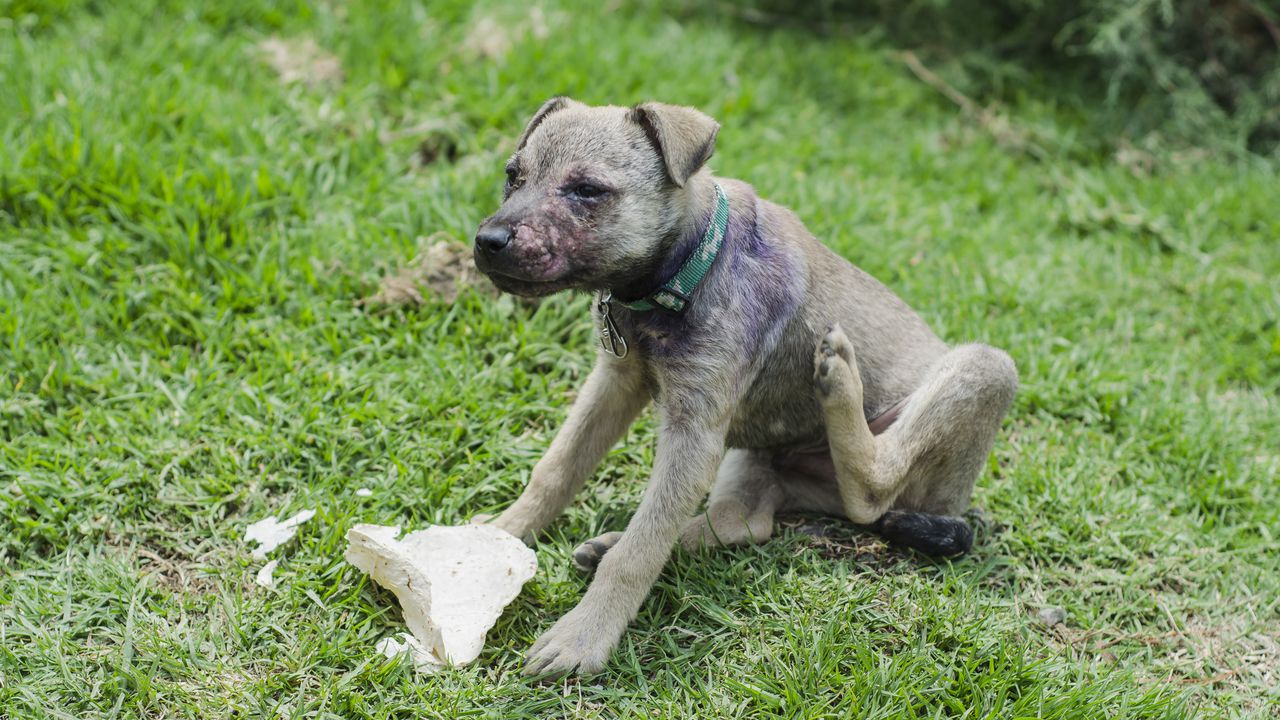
point(673, 295)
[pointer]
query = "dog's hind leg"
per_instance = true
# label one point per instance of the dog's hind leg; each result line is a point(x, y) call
point(742, 504)
point(740, 509)
point(924, 466)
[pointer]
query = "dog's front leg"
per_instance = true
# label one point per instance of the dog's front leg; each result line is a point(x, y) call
point(612, 396)
point(690, 447)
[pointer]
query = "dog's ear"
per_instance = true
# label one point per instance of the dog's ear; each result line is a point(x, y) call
point(684, 137)
point(559, 102)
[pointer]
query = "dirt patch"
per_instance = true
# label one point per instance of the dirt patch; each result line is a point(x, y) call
point(1225, 654)
point(174, 570)
point(442, 270)
point(175, 574)
point(1230, 655)
point(492, 37)
point(488, 38)
point(434, 148)
point(438, 140)
point(301, 60)
point(835, 540)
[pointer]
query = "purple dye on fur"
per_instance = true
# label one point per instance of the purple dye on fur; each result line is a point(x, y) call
point(749, 277)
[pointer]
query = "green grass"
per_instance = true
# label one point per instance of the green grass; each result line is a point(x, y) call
point(183, 237)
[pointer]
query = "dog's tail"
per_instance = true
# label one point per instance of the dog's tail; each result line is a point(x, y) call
point(938, 535)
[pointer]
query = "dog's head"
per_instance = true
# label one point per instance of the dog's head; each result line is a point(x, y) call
point(593, 196)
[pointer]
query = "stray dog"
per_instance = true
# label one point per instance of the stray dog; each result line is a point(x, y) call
point(784, 377)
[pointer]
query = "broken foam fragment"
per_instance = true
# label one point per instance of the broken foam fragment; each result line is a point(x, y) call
point(264, 576)
point(270, 533)
point(423, 660)
point(452, 583)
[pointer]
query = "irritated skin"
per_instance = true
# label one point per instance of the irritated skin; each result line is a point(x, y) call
point(538, 260)
point(785, 350)
point(542, 248)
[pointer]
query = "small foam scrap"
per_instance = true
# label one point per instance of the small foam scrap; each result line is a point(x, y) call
point(270, 533)
point(424, 660)
point(265, 576)
point(453, 583)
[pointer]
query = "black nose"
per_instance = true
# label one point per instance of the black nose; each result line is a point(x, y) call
point(491, 239)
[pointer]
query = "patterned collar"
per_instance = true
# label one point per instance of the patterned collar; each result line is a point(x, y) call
point(673, 295)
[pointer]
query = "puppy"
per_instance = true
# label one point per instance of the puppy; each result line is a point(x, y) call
point(784, 378)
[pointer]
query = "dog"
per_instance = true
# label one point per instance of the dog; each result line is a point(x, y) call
point(783, 377)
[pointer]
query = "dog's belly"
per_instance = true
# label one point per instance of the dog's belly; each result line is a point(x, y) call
point(780, 410)
point(780, 432)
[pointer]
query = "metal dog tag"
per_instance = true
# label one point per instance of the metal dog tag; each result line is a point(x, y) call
point(610, 339)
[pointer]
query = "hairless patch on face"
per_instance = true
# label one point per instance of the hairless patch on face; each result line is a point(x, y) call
point(541, 247)
point(547, 246)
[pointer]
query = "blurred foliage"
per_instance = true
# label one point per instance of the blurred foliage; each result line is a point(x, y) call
point(1197, 72)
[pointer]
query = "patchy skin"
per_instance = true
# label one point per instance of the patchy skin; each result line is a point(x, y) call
point(607, 243)
point(748, 274)
point(548, 250)
point(541, 251)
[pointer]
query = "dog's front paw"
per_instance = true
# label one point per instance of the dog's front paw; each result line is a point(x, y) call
point(589, 554)
point(514, 522)
point(580, 642)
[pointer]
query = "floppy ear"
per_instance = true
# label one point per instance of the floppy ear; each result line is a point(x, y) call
point(559, 102)
point(684, 137)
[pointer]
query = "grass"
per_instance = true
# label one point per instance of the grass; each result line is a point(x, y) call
point(183, 237)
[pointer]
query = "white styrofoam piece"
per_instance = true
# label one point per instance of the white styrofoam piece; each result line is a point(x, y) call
point(270, 533)
point(452, 581)
point(264, 576)
point(423, 660)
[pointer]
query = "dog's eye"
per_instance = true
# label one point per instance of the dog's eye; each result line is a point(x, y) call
point(586, 191)
point(513, 176)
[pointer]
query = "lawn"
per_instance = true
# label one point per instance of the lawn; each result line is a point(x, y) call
point(195, 196)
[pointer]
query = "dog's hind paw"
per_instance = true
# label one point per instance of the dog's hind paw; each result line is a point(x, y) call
point(834, 366)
